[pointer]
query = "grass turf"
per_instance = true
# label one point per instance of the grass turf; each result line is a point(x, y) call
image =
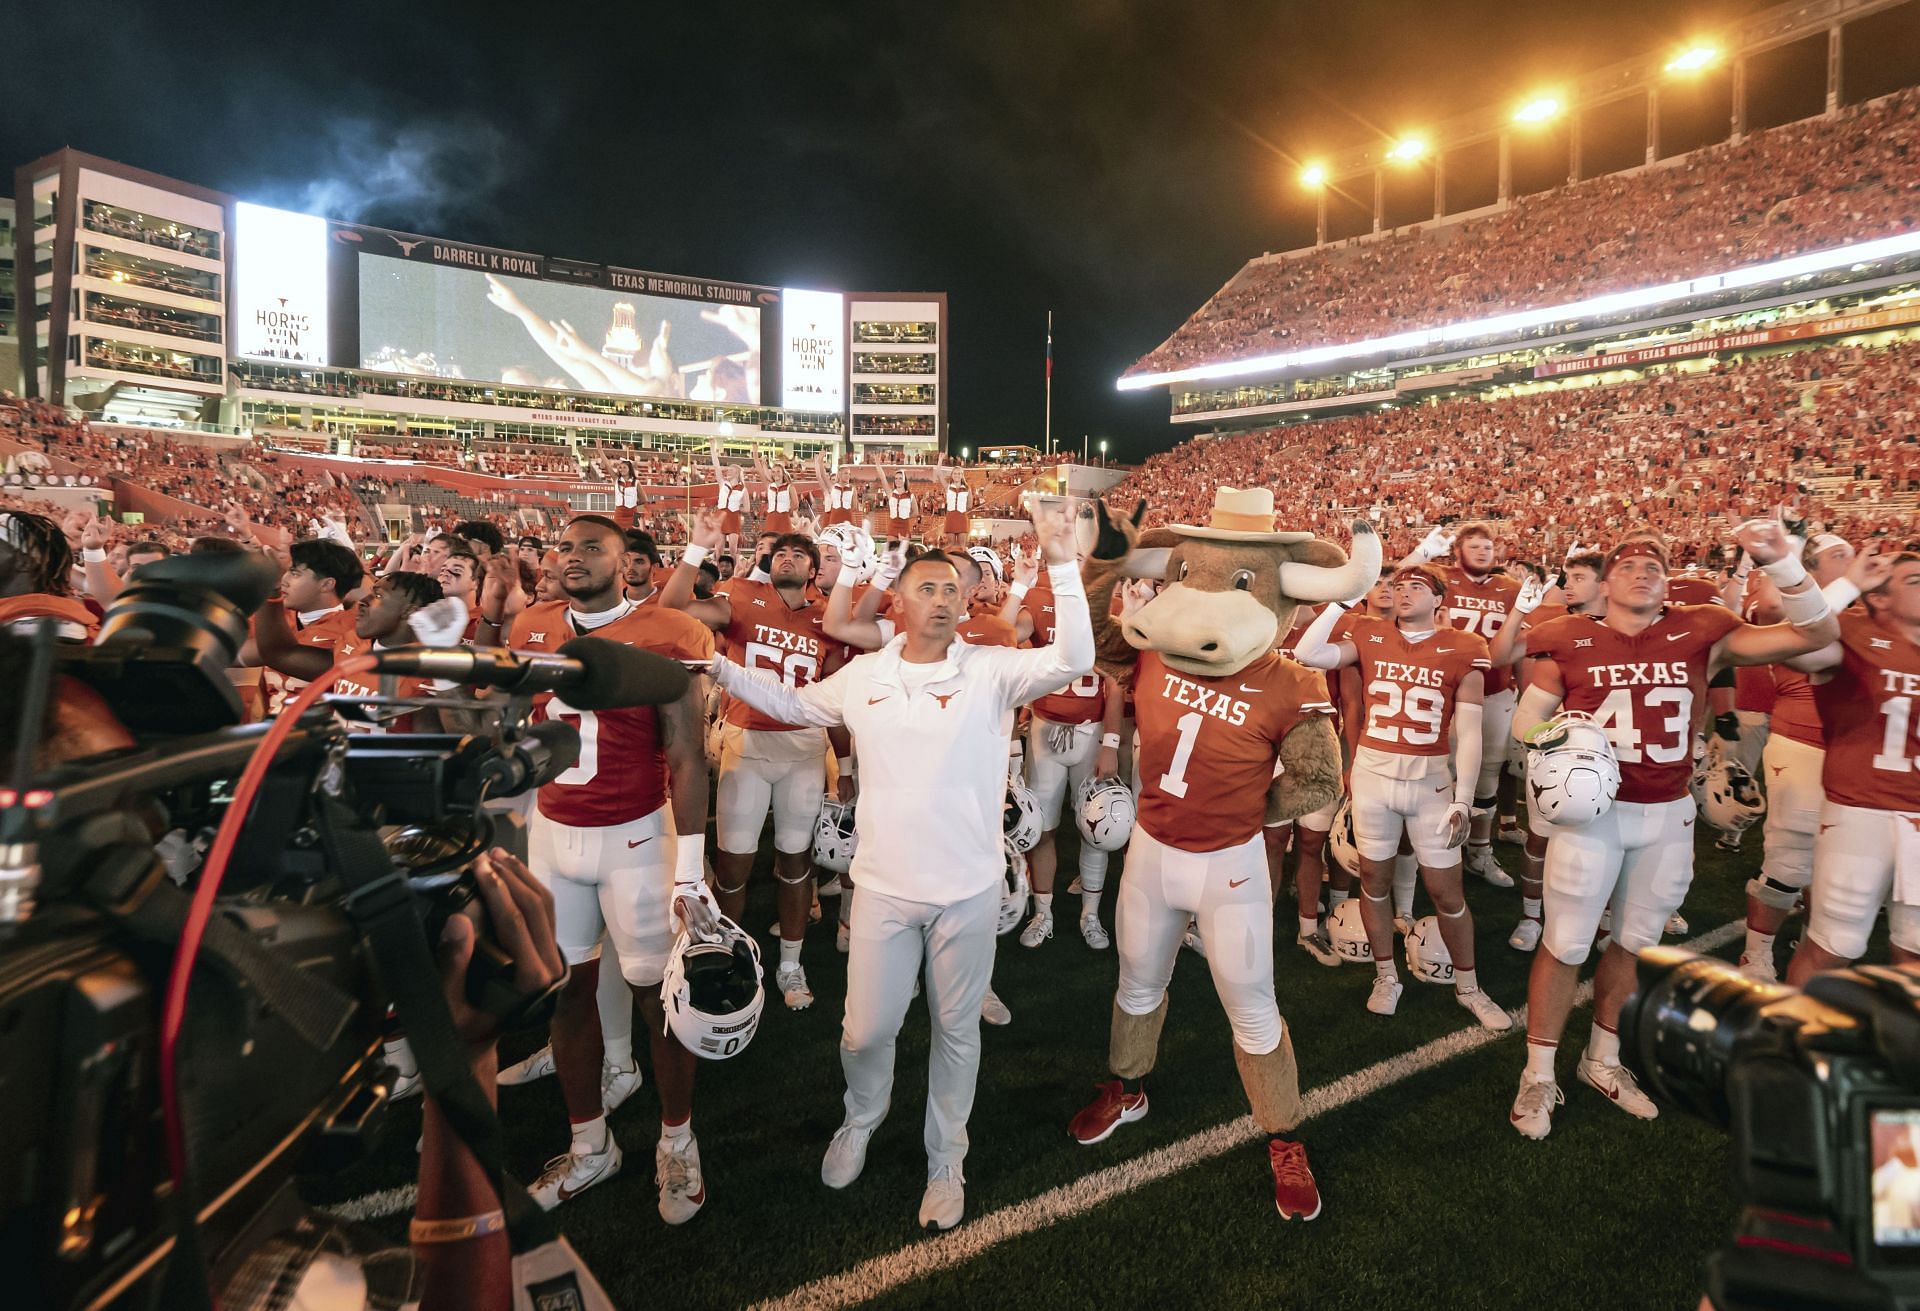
point(1430, 1195)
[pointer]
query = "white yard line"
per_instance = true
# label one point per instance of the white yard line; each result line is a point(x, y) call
point(881, 1274)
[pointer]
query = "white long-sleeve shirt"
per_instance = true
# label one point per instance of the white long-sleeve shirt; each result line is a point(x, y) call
point(933, 761)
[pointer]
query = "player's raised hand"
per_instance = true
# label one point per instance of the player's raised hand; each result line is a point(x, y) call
point(1532, 591)
point(706, 530)
point(1026, 568)
point(1871, 567)
point(1054, 529)
point(1763, 539)
point(95, 532)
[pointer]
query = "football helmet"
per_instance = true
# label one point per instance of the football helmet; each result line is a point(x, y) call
point(834, 839)
point(1105, 813)
point(712, 991)
point(1572, 773)
point(854, 543)
point(988, 559)
point(1729, 797)
point(1020, 817)
point(1341, 844)
point(1348, 934)
point(1013, 897)
point(1427, 956)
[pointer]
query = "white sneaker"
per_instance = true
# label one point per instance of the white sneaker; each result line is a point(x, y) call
point(1094, 932)
point(1525, 935)
point(846, 1156)
point(1759, 968)
point(945, 1201)
point(1485, 1009)
point(1511, 833)
point(1386, 994)
point(1038, 929)
point(1481, 862)
point(404, 1086)
point(830, 888)
point(537, 1066)
point(792, 982)
point(993, 1010)
point(1617, 1086)
point(842, 938)
point(1676, 924)
point(1532, 1112)
point(572, 1173)
point(616, 1086)
point(1318, 946)
point(676, 1171)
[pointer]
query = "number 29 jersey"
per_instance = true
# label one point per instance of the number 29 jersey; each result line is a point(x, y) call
point(1867, 712)
point(1410, 688)
point(621, 775)
point(1207, 745)
point(1642, 689)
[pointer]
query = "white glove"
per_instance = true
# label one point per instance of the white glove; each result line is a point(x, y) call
point(1436, 543)
point(1532, 592)
point(444, 623)
point(698, 913)
point(889, 568)
point(1458, 823)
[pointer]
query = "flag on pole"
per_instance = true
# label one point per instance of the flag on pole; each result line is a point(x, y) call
point(1049, 345)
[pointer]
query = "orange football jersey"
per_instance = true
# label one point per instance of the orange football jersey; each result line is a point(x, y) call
point(1642, 690)
point(352, 644)
point(1480, 606)
point(1410, 687)
point(1080, 701)
point(767, 634)
point(622, 771)
point(44, 605)
point(325, 633)
point(1208, 745)
point(1688, 590)
point(1796, 711)
point(1867, 714)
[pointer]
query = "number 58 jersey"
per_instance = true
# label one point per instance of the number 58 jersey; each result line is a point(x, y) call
point(1207, 745)
point(621, 775)
point(1642, 690)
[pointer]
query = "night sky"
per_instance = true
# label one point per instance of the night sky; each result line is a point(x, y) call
point(1114, 162)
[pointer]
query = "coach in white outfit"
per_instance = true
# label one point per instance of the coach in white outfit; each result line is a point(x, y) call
point(931, 719)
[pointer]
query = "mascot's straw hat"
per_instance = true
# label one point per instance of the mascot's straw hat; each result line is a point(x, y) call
point(1241, 515)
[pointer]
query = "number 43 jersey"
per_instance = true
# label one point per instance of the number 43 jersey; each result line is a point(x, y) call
point(1867, 713)
point(1208, 745)
point(622, 771)
point(1642, 690)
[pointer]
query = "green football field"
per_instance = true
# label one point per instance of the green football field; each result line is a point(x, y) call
point(1430, 1195)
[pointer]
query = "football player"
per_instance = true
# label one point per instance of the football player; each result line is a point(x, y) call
point(380, 623)
point(603, 842)
point(1639, 671)
point(36, 577)
point(1422, 693)
point(1866, 852)
point(766, 764)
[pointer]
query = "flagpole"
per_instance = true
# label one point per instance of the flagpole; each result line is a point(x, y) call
point(1049, 430)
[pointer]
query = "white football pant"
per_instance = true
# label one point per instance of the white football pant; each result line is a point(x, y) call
point(616, 880)
point(1636, 858)
point(768, 769)
point(1860, 858)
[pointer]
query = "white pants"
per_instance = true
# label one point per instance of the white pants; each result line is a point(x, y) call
point(1794, 798)
point(1402, 794)
point(889, 938)
point(762, 770)
point(1056, 775)
point(1756, 730)
point(616, 880)
point(1496, 721)
point(1228, 893)
point(1637, 858)
point(1858, 860)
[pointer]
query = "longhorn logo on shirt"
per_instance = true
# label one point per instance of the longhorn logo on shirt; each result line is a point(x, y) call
point(943, 698)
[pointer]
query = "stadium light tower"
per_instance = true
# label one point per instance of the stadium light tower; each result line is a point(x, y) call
point(1314, 178)
point(1540, 109)
point(1407, 149)
point(1695, 58)
point(1529, 114)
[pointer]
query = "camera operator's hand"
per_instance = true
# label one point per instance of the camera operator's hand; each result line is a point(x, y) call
point(521, 911)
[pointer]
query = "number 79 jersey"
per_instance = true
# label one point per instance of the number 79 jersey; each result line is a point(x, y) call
point(1867, 712)
point(1207, 746)
point(1642, 690)
point(621, 775)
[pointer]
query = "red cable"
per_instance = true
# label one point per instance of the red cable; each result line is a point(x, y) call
point(173, 1013)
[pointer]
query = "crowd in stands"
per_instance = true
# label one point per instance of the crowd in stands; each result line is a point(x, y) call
point(1810, 185)
point(1827, 435)
point(152, 231)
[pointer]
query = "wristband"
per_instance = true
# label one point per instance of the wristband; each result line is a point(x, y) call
point(1110, 740)
point(1020, 590)
point(845, 578)
point(1786, 572)
point(93, 555)
point(694, 556)
point(1840, 593)
point(458, 1230)
point(1804, 609)
point(689, 860)
point(846, 767)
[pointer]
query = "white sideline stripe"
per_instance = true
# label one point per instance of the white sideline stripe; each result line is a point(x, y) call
point(882, 1274)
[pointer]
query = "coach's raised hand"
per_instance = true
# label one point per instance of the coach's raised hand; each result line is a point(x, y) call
point(1054, 527)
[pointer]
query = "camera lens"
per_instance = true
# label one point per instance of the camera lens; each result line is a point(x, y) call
point(1687, 1019)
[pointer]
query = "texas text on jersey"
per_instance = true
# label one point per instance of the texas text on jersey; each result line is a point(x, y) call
point(1642, 690)
point(1867, 711)
point(1480, 605)
point(764, 632)
point(1410, 687)
point(1207, 746)
point(622, 771)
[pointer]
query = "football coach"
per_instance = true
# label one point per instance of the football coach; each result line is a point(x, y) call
point(932, 721)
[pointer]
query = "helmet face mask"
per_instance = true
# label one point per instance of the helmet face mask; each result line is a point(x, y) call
point(1728, 796)
point(834, 838)
point(1573, 775)
point(1013, 897)
point(1342, 846)
point(1020, 816)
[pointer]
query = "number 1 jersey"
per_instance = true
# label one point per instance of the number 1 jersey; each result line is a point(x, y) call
point(1866, 710)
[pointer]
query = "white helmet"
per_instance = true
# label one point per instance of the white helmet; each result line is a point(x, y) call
point(854, 543)
point(1105, 813)
point(1348, 934)
point(712, 991)
point(1020, 818)
point(834, 840)
point(1729, 798)
point(1572, 773)
point(1427, 956)
point(988, 559)
point(1013, 897)
point(1341, 844)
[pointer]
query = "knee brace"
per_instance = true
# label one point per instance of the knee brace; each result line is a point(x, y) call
point(1272, 1083)
point(1770, 893)
point(1093, 869)
point(1134, 1043)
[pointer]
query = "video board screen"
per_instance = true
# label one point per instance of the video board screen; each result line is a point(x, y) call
point(279, 285)
point(435, 320)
